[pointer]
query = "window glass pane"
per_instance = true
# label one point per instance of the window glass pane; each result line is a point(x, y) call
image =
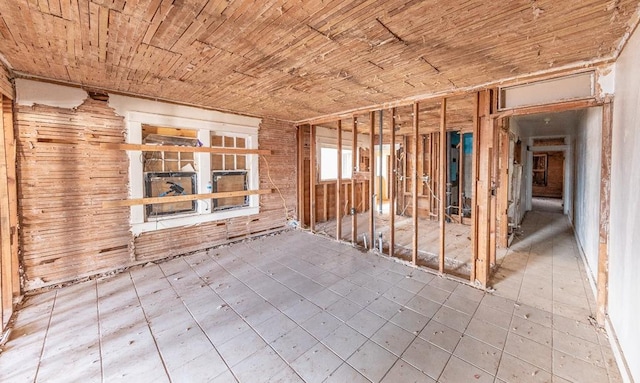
point(216, 161)
point(240, 142)
point(346, 164)
point(216, 140)
point(228, 142)
point(229, 182)
point(165, 184)
point(328, 163)
point(171, 166)
point(229, 162)
point(241, 162)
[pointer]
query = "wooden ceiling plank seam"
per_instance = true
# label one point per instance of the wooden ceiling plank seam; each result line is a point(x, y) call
point(254, 43)
point(174, 26)
point(66, 9)
point(163, 8)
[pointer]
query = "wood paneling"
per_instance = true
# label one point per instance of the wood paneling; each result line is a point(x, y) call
point(294, 61)
point(64, 178)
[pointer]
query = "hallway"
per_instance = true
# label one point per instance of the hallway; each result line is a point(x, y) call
point(545, 274)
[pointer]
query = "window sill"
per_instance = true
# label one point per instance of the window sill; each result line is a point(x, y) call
point(160, 223)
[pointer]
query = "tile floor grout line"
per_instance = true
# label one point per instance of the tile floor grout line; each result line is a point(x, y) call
point(194, 318)
point(146, 317)
point(344, 361)
point(46, 334)
point(99, 330)
point(460, 339)
point(239, 315)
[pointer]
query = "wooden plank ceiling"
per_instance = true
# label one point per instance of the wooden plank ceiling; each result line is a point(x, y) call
point(296, 59)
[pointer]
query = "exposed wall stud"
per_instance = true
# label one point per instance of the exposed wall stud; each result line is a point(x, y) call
point(415, 176)
point(442, 192)
point(339, 184)
point(372, 178)
point(354, 163)
point(392, 183)
point(312, 178)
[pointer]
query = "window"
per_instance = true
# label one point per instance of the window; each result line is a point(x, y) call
point(170, 184)
point(540, 170)
point(228, 161)
point(229, 181)
point(329, 163)
point(229, 171)
point(183, 172)
point(169, 173)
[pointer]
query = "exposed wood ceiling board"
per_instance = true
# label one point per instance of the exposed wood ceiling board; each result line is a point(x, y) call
point(276, 58)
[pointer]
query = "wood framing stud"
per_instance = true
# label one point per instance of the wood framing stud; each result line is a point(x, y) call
point(474, 188)
point(372, 177)
point(301, 218)
point(312, 178)
point(392, 180)
point(416, 180)
point(339, 184)
point(442, 182)
point(354, 163)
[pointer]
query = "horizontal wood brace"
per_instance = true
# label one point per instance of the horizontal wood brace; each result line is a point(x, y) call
point(182, 149)
point(182, 198)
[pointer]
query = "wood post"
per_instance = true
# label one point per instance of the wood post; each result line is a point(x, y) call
point(9, 267)
point(372, 179)
point(354, 164)
point(416, 120)
point(460, 176)
point(325, 202)
point(605, 209)
point(474, 187)
point(339, 184)
point(493, 188)
point(484, 160)
point(392, 185)
point(301, 217)
point(312, 178)
point(442, 181)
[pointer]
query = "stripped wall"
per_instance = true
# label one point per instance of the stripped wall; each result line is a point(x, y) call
point(624, 261)
point(64, 177)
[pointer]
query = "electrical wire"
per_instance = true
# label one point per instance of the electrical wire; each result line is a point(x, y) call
point(284, 201)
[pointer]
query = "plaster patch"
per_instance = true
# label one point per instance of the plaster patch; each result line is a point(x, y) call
point(29, 93)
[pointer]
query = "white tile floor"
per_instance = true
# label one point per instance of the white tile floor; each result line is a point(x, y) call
point(302, 308)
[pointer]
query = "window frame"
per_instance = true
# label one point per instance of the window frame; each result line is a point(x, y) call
point(140, 223)
point(345, 164)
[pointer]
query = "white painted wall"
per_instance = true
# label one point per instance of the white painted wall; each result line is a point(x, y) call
point(588, 141)
point(550, 91)
point(624, 249)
